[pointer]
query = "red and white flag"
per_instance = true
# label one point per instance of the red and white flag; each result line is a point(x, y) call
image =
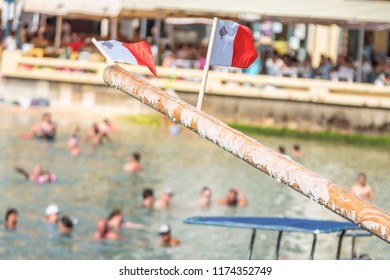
point(133, 53)
point(233, 45)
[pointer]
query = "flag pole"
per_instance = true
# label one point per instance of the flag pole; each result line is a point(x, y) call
point(108, 59)
point(207, 65)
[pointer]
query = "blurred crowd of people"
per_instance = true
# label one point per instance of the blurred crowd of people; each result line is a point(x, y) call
point(78, 46)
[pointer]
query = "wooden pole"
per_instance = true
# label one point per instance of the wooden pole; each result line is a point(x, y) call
point(274, 164)
point(108, 58)
point(360, 54)
point(58, 36)
point(207, 65)
point(114, 28)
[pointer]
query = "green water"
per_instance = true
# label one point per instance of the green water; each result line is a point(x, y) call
point(91, 185)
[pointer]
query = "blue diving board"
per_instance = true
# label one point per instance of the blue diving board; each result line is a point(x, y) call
point(280, 224)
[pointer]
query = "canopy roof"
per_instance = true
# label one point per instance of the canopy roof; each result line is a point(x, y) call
point(342, 12)
point(74, 8)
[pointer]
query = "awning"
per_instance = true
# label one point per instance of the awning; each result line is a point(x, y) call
point(75, 8)
point(355, 13)
point(372, 14)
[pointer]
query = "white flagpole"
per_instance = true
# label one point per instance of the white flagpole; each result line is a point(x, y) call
point(108, 59)
point(207, 65)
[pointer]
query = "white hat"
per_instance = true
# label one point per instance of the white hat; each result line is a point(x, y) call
point(52, 210)
point(164, 229)
point(168, 191)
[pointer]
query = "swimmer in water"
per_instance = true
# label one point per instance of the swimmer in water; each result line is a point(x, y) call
point(234, 198)
point(73, 142)
point(361, 189)
point(109, 229)
point(205, 197)
point(11, 219)
point(106, 127)
point(147, 198)
point(134, 165)
point(297, 151)
point(93, 135)
point(37, 174)
point(164, 202)
point(166, 239)
point(45, 129)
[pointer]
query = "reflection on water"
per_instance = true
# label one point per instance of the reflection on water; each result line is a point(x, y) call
point(89, 186)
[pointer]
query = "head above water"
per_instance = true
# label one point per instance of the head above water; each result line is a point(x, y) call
point(147, 193)
point(167, 192)
point(164, 230)
point(232, 197)
point(65, 226)
point(66, 222)
point(115, 218)
point(137, 156)
point(282, 149)
point(46, 117)
point(11, 219)
point(362, 178)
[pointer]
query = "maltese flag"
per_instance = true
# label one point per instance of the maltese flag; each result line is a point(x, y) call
point(233, 45)
point(136, 53)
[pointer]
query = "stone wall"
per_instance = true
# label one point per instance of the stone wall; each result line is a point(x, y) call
point(243, 110)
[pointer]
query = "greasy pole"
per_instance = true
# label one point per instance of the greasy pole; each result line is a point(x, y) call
point(276, 165)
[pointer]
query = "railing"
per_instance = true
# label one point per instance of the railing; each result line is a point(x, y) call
point(15, 65)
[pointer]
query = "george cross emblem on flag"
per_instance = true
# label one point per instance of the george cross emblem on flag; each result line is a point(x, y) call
point(222, 32)
point(108, 45)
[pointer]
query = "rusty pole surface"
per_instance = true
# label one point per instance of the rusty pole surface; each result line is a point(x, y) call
point(280, 167)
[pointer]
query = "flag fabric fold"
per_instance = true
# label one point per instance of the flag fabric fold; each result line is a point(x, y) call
point(233, 45)
point(138, 53)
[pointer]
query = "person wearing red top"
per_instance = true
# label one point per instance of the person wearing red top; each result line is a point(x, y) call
point(75, 43)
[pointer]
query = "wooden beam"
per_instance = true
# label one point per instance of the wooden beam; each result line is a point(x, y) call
point(280, 167)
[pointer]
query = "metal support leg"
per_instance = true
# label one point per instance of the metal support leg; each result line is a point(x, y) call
point(278, 245)
point(313, 246)
point(340, 244)
point(354, 255)
point(252, 243)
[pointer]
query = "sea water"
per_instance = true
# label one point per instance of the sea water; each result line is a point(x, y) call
point(89, 186)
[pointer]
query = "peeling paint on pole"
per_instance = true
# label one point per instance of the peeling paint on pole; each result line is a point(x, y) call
point(276, 165)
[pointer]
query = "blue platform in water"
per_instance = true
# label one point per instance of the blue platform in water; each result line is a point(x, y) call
point(280, 224)
point(275, 224)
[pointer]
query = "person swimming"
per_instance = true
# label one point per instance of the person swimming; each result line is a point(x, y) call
point(93, 135)
point(109, 229)
point(205, 197)
point(11, 219)
point(234, 198)
point(134, 165)
point(164, 202)
point(65, 226)
point(37, 175)
point(45, 129)
point(361, 189)
point(73, 142)
point(147, 198)
point(166, 239)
